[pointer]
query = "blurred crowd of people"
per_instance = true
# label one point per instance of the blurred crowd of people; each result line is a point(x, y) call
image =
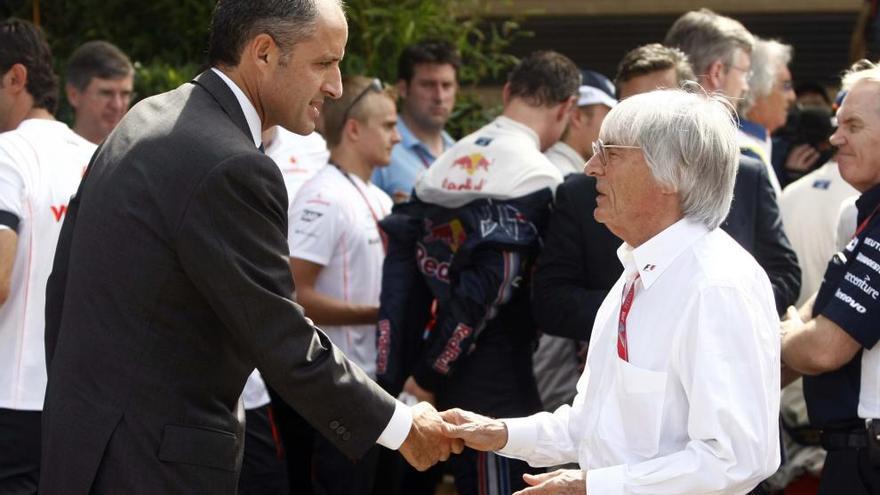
point(467, 274)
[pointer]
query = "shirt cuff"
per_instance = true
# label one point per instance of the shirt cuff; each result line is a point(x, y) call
point(398, 428)
point(522, 436)
point(607, 480)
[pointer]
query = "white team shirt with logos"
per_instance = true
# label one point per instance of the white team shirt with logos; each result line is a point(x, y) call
point(41, 165)
point(332, 225)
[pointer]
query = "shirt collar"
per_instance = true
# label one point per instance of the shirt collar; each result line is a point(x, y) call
point(409, 140)
point(753, 129)
point(509, 124)
point(250, 113)
point(566, 150)
point(867, 202)
point(654, 256)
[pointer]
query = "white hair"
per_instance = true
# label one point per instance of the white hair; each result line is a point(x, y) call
point(689, 141)
point(863, 70)
point(768, 59)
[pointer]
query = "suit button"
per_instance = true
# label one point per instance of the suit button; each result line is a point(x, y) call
point(346, 436)
point(340, 430)
point(334, 424)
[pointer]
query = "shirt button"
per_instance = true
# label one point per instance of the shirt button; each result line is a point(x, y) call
point(340, 430)
point(334, 424)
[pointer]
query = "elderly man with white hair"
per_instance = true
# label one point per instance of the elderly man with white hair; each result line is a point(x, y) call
point(681, 389)
point(765, 106)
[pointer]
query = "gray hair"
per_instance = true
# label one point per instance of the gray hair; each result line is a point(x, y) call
point(688, 138)
point(863, 70)
point(706, 37)
point(768, 59)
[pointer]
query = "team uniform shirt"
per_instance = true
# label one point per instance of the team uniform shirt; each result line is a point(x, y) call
point(849, 297)
point(754, 141)
point(409, 158)
point(695, 407)
point(809, 208)
point(502, 160)
point(298, 157)
point(565, 158)
point(41, 165)
point(334, 224)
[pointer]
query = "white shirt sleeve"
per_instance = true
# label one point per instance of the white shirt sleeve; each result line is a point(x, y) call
point(12, 185)
point(728, 363)
point(398, 428)
point(541, 439)
point(315, 225)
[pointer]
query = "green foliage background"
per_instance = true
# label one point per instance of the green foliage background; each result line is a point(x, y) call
point(167, 39)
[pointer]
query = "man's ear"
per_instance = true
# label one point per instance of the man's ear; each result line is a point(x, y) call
point(352, 129)
point(15, 78)
point(505, 94)
point(402, 88)
point(566, 109)
point(716, 73)
point(263, 51)
point(73, 95)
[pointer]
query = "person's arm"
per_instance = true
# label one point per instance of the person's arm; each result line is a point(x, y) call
point(322, 309)
point(564, 298)
point(11, 188)
point(816, 346)
point(232, 244)
point(8, 242)
point(772, 249)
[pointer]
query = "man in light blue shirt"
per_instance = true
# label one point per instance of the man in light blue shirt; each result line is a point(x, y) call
point(427, 84)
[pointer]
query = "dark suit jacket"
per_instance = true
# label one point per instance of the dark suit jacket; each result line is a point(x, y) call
point(579, 263)
point(170, 284)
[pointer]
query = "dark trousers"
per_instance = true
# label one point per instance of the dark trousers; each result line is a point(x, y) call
point(849, 472)
point(336, 474)
point(298, 438)
point(19, 451)
point(263, 468)
point(487, 473)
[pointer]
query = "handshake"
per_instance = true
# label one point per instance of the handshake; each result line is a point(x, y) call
point(434, 436)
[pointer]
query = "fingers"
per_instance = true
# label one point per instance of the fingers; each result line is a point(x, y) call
point(792, 314)
point(457, 445)
point(536, 479)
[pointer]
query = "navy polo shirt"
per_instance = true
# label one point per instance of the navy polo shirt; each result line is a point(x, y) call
point(850, 297)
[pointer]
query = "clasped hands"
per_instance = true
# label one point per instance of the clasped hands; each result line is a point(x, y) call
point(434, 436)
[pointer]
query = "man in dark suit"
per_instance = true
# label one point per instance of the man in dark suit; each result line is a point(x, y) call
point(171, 280)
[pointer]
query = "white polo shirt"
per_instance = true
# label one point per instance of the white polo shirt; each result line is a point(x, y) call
point(298, 157)
point(41, 165)
point(333, 223)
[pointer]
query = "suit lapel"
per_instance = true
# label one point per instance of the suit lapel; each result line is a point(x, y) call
point(217, 88)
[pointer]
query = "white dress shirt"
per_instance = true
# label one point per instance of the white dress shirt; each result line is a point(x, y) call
point(398, 427)
point(695, 410)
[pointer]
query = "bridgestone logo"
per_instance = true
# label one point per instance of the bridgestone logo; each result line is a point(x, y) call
point(861, 258)
point(849, 300)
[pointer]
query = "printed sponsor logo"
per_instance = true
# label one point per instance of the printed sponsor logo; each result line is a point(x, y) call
point(861, 258)
point(384, 346)
point(58, 212)
point(649, 267)
point(431, 267)
point(863, 284)
point(451, 234)
point(851, 245)
point(871, 243)
point(467, 185)
point(453, 348)
point(850, 301)
point(472, 163)
point(507, 219)
point(822, 184)
point(310, 215)
point(483, 141)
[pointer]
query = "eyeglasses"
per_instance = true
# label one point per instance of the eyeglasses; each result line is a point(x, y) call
point(599, 150)
point(375, 85)
point(747, 71)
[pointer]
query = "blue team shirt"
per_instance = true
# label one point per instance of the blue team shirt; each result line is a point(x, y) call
point(409, 158)
point(850, 297)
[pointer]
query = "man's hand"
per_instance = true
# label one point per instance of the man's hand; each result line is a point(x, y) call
point(801, 158)
point(478, 432)
point(427, 443)
point(559, 482)
point(413, 388)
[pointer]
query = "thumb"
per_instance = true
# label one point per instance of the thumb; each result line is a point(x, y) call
point(537, 479)
point(792, 314)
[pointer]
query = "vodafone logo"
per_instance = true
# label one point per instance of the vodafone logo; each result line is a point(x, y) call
point(58, 212)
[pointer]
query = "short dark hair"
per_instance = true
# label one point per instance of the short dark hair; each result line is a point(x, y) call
point(96, 59)
point(426, 52)
point(235, 22)
point(812, 87)
point(650, 58)
point(544, 78)
point(23, 43)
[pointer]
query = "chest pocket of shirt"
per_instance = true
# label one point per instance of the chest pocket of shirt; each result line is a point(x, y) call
point(631, 414)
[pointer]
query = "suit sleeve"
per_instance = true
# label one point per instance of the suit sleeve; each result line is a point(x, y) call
point(562, 303)
point(772, 250)
point(232, 243)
